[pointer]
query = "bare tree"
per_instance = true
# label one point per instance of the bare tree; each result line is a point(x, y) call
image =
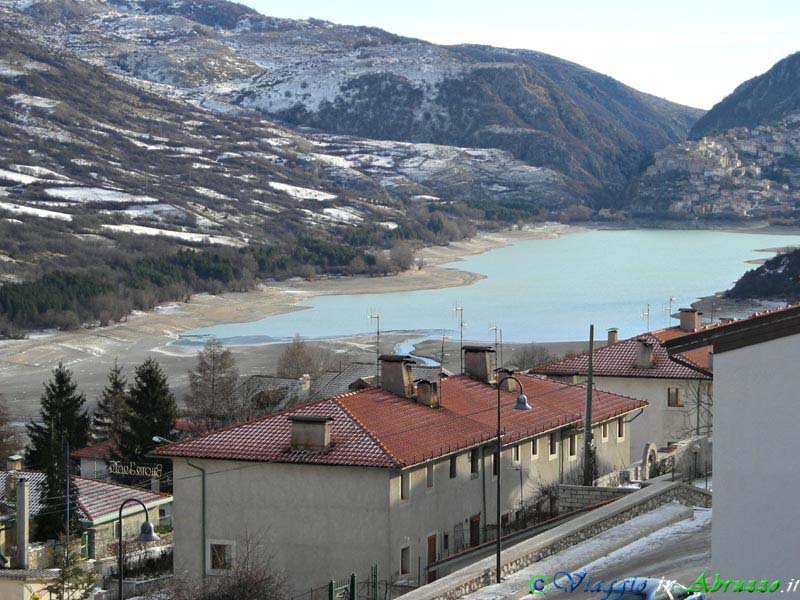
point(699, 401)
point(248, 577)
point(529, 356)
point(300, 358)
point(212, 383)
point(402, 255)
point(9, 438)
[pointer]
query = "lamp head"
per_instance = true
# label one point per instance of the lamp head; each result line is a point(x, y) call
point(147, 533)
point(522, 403)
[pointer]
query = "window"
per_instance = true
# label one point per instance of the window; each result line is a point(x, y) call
point(495, 463)
point(474, 461)
point(404, 486)
point(84, 545)
point(573, 445)
point(621, 428)
point(220, 556)
point(445, 541)
point(535, 447)
point(516, 453)
point(553, 444)
point(453, 467)
point(405, 560)
point(430, 474)
point(674, 397)
point(117, 530)
point(604, 432)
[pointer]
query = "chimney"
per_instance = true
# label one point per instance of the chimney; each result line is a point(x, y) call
point(310, 432)
point(644, 353)
point(428, 393)
point(690, 319)
point(23, 522)
point(14, 462)
point(613, 335)
point(396, 376)
point(303, 388)
point(505, 382)
point(726, 320)
point(478, 363)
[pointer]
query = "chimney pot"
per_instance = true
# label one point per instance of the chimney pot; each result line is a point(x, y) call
point(310, 432)
point(478, 363)
point(14, 462)
point(428, 393)
point(613, 335)
point(396, 374)
point(690, 319)
point(504, 380)
point(644, 353)
point(23, 521)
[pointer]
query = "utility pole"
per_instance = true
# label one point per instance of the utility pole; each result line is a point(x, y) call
point(502, 362)
point(646, 314)
point(66, 524)
point(374, 315)
point(460, 312)
point(587, 419)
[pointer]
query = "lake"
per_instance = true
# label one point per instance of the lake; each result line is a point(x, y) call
point(537, 290)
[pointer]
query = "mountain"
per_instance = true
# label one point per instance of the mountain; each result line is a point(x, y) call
point(777, 278)
point(366, 82)
point(742, 161)
point(764, 100)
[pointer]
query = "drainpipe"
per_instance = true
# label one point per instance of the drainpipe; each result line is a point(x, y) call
point(202, 512)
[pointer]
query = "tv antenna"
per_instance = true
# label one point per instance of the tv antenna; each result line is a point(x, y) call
point(441, 365)
point(459, 310)
point(646, 315)
point(373, 315)
point(498, 342)
point(668, 308)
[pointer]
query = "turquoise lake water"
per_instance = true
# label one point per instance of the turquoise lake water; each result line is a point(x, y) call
point(537, 290)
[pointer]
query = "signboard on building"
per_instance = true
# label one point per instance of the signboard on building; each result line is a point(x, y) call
point(117, 467)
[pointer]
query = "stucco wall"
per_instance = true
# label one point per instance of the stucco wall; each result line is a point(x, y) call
point(659, 422)
point(316, 522)
point(756, 444)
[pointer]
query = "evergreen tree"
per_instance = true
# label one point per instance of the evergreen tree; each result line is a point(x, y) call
point(63, 419)
point(111, 414)
point(74, 582)
point(152, 411)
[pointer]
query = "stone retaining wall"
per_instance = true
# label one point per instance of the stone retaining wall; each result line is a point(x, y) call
point(579, 529)
point(574, 497)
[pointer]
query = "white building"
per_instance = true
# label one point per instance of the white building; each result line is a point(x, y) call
point(396, 476)
point(755, 533)
point(678, 389)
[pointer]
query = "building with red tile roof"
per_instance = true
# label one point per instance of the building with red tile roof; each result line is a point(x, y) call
point(98, 506)
point(388, 475)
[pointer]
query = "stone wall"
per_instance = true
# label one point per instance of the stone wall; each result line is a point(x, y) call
point(574, 497)
point(579, 529)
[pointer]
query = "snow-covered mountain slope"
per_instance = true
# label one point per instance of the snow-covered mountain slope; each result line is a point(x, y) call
point(362, 81)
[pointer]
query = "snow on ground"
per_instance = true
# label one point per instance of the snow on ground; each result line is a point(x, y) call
point(333, 161)
point(37, 101)
point(199, 238)
point(17, 177)
point(39, 172)
point(608, 543)
point(94, 194)
point(700, 482)
point(34, 212)
point(301, 193)
point(388, 225)
point(208, 193)
point(345, 215)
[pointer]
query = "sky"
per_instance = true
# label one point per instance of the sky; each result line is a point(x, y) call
point(691, 52)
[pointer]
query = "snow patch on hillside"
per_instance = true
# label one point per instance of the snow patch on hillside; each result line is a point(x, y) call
point(94, 194)
point(301, 193)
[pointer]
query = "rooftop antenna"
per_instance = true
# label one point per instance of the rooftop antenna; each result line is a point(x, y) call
point(441, 365)
point(502, 362)
point(496, 330)
point(459, 310)
point(373, 314)
point(668, 308)
point(646, 314)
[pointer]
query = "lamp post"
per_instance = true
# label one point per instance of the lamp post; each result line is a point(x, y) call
point(522, 404)
point(147, 534)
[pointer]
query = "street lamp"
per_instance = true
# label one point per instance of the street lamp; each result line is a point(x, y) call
point(521, 404)
point(146, 534)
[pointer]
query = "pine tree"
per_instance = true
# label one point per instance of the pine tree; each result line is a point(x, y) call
point(111, 414)
point(212, 385)
point(73, 582)
point(63, 419)
point(152, 411)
